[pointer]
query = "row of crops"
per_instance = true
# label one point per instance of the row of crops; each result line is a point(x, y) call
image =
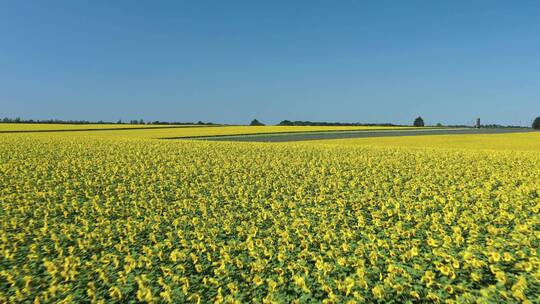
point(24, 127)
point(525, 141)
point(102, 219)
point(173, 131)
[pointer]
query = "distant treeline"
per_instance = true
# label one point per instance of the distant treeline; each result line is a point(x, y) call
point(100, 122)
point(282, 123)
point(491, 126)
point(324, 123)
point(500, 126)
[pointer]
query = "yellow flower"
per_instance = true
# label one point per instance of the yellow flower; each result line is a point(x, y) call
point(301, 283)
point(144, 294)
point(414, 251)
point(51, 268)
point(447, 271)
point(232, 288)
point(378, 292)
point(494, 257)
point(518, 289)
point(414, 294)
point(348, 284)
point(433, 297)
point(501, 277)
point(115, 293)
point(195, 298)
point(257, 280)
point(427, 278)
point(166, 296)
point(507, 257)
point(271, 285)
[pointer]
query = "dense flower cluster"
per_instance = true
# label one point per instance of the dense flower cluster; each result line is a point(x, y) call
point(119, 220)
point(509, 142)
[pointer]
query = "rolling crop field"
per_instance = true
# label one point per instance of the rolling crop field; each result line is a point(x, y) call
point(350, 134)
point(40, 127)
point(179, 132)
point(121, 216)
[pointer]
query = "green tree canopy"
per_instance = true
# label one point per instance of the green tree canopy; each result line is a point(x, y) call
point(255, 122)
point(418, 122)
point(536, 123)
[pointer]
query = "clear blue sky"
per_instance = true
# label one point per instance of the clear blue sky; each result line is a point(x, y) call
point(231, 61)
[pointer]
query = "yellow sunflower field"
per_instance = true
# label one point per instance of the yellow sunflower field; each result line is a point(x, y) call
point(125, 220)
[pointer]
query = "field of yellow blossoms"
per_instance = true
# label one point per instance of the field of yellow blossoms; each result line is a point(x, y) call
point(119, 220)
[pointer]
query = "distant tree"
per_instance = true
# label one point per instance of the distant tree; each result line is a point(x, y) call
point(119, 122)
point(285, 123)
point(418, 122)
point(536, 123)
point(255, 122)
point(439, 124)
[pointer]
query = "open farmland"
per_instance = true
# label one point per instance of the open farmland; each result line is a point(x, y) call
point(117, 218)
point(43, 127)
point(171, 132)
point(345, 134)
point(519, 141)
point(269, 152)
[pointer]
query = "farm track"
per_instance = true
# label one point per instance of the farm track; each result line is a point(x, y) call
point(322, 135)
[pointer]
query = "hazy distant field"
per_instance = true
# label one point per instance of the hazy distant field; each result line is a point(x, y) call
point(119, 217)
point(529, 141)
point(350, 134)
point(54, 127)
point(157, 131)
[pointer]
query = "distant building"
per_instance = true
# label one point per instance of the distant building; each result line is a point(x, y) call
point(477, 123)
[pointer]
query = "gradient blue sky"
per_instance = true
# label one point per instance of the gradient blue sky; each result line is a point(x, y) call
point(231, 61)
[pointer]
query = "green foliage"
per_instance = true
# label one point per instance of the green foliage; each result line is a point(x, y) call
point(536, 123)
point(126, 220)
point(325, 123)
point(418, 122)
point(255, 122)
